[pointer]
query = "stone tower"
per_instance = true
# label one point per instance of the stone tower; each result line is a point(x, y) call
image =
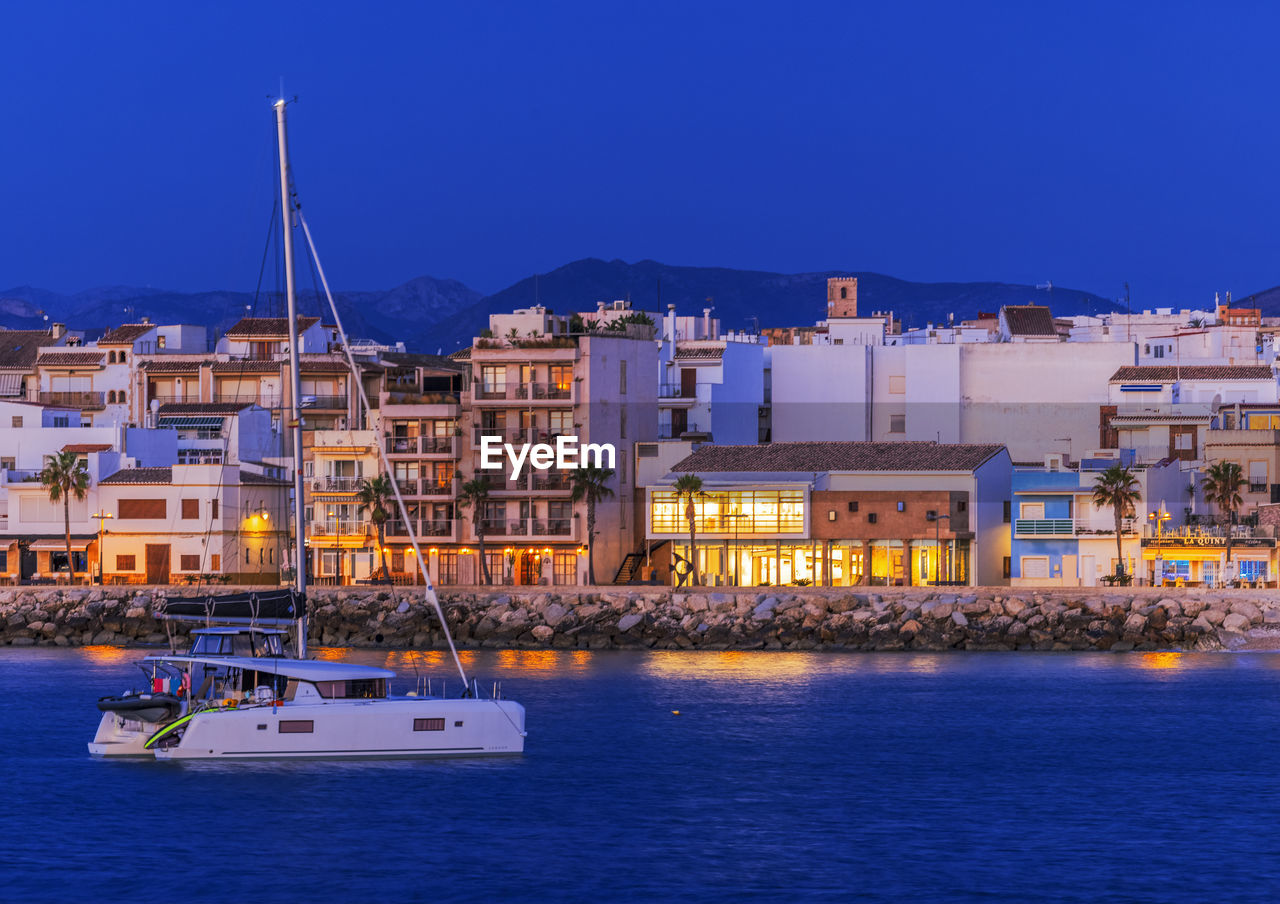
point(842, 296)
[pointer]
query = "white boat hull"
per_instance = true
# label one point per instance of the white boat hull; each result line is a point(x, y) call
point(121, 737)
point(386, 728)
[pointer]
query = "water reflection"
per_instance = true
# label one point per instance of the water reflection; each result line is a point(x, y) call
point(102, 654)
point(731, 664)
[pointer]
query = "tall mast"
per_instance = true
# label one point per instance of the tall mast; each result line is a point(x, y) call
point(295, 379)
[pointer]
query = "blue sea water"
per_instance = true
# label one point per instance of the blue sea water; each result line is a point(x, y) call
point(785, 776)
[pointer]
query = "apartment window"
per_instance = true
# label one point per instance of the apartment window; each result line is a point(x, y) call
point(560, 422)
point(126, 563)
point(561, 376)
point(622, 470)
point(4, 560)
point(160, 341)
point(190, 509)
point(897, 423)
point(1007, 567)
point(493, 379)
point(62, 420)
point(1257, 477)
point(213, 508)
point(120, 357)
point(141, 509)
point(897, 385)
point(622, 423)
point(622, 378)
point(428, 724)
point(246, 556)
point(16, 420)
point(1008, 511)
point(261, 556)
point(215, 562)
point(8, 464)
point(189, 563)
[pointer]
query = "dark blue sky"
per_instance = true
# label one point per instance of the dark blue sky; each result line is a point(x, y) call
point(1088, 144)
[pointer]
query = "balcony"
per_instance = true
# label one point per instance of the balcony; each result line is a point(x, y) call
point(322, 402)
point(671, 391)
point(77, 399)
point(1068, 527)
point(554, 527)
point(517, 528)
point(175, 399)
point(447, 488)
point(339, 528)
point(420, 445)
point(493, 527)
point(522, 392)
point(264, 400)
point(552, 481)
point(336, 484)
point(407, 487)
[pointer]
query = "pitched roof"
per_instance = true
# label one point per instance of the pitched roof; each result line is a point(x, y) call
point(820, 457)
point(86, 447)
point(56, 357)
point(155, 366)
point(18, 348)
point(309, 365)
point(462, 354)
point(222, 408)
point(247, 366)
point(156, 476)
point(1167, 373)
point(268, 327)
point(700, 352)
point(127, 334)
point(1029, 320)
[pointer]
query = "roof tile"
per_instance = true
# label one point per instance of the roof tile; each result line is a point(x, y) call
point(1168, 373)
point(833, 456)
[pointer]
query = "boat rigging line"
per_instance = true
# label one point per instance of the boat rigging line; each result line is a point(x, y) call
point(429, 590)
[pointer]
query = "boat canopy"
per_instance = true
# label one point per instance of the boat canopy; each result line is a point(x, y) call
point(302, 669)
point(264, 607)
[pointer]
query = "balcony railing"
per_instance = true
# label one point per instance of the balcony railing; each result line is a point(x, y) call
point(336, 484)
point(671, 391)
point(518, 528)
point(493, 528)
point(420, 445)
point(264, 400)
point(431, 487)
point(554, 527)
point(1045, 527)
point(323, 402)
point(339, 528)
point(550, 480)
point(523, 391)
point(15, 475)
point(407, 487)
point(75, 399)
point(175, 399)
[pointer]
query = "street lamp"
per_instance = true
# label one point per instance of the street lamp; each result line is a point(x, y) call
point(937, 543)
point(101, 517)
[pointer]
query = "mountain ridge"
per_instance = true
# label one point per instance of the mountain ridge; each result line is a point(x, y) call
point(431, 314)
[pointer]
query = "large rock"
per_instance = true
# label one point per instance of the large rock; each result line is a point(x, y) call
point(1248, 610)
point(542, 633)
point(1235, 621)
point(627, 622)
point(764, 611)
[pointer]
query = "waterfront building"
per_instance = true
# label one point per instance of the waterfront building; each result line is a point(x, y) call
point(1061, 539)
point(837, 514)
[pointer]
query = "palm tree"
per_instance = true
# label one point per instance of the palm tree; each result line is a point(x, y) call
point(1117, 488)
point(1221, 485)
point(377, 497)
point(65, 476)
point(689, 487)
point(589, 483)
point(475, 493)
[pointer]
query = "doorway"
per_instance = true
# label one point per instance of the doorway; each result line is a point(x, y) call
point(157, 564)
point(530, 570)
point(27, 561)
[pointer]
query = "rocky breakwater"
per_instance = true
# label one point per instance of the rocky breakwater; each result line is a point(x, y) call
point(868, 619)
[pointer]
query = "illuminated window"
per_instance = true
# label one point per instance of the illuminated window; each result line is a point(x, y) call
point(743, 512)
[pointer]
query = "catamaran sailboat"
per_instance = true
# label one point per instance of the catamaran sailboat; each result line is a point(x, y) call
point(235, 694)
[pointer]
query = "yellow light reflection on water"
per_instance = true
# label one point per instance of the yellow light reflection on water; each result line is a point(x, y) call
point(102, 654)
point(741, 665)
point(332, 654)
point(1168, 659)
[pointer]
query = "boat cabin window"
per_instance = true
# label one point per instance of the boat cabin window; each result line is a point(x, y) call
point(211, 645)
point(362, 688)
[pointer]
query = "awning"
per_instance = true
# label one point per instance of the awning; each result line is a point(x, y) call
point(59, 545)
point(10, 385)
point(182, 421)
